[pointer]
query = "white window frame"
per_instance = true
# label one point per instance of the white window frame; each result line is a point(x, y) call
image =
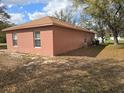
point(14, 39)
point(37, 38)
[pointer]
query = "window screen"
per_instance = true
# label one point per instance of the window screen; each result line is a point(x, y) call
point(14, 37)
point(37, 41)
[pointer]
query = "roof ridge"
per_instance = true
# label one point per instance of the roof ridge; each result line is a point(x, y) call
point(51, 17)
point(60, 20)
point(45, 21)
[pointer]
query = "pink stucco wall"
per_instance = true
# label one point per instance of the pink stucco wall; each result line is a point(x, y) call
point(68, 39)
point(26, 42)
point(54, 40)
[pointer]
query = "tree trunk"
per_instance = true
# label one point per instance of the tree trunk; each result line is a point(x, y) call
point(116, 42)
point(102, 35)
point(115, 35)
point(102, 40)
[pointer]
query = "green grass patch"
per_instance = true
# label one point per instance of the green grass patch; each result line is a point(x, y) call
point(111, 41)
point(3, 46)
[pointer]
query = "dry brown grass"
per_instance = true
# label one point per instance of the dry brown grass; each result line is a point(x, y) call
point(62, 75)
point(111, 51)
point(91, 51)
point(101, 52)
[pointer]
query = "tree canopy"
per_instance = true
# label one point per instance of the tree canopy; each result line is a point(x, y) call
point(3, 14)
point(67, 15)
point(110, 12)
point(3, 22)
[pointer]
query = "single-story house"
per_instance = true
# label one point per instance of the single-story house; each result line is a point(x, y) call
point(47, 36)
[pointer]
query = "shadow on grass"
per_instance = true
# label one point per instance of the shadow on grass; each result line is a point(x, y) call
point(92, 51)
point(74, 76)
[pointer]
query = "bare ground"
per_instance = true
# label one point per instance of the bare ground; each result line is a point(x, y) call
point(62, 74)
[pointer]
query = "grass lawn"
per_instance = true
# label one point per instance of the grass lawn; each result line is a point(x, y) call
point(92, 51)
point(102, 71)
point(111, 51)
point(62, 74)
point(111, 41)
point(103, 51)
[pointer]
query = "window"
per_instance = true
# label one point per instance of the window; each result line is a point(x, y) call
point(37, 42)
point(14, 37)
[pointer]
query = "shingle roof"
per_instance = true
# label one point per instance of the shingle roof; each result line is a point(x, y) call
point(46, 21)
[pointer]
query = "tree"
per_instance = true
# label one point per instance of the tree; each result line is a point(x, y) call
point(86, 21)
point(100, 28)
point(67, 15)
point(110, 12)
point(3, 22)
point(2, 34)
point(3, 14)
point(90, 23)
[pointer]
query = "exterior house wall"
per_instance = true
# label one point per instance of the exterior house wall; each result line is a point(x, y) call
point(54, 40)
point(68, 39)
point(26, 42)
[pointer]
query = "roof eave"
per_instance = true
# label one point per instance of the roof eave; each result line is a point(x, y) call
point(80, 29)
point(9, 29)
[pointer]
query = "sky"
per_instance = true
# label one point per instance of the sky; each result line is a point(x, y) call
point(22, 11)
